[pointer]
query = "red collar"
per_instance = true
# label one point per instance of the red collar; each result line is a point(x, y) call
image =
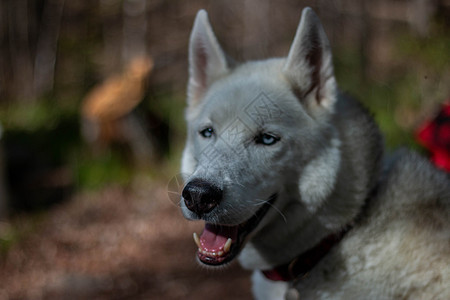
point(302, 264)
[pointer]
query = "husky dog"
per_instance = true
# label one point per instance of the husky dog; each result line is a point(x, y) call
point(289, 176)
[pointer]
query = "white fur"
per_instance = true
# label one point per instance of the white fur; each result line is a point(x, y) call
point(318, 178)
point(265, 289)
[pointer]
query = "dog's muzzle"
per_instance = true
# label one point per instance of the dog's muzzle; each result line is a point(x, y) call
point(219, 243)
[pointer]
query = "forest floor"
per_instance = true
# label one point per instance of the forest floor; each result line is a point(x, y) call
point(116, 243)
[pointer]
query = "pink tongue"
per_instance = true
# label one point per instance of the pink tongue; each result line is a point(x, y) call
point(214, 237)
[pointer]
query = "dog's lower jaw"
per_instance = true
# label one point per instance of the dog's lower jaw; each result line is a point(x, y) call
point(220, 244)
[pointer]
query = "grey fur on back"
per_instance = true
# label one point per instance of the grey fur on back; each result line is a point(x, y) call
point(400, 246)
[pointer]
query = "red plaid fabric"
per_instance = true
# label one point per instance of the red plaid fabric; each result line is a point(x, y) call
point(435, 136)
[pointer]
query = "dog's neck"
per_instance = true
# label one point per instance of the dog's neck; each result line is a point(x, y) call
point(305, 262)
point(307, 216)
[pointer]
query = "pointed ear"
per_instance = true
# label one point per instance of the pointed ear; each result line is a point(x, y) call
point(206, 59)
point(309, 66)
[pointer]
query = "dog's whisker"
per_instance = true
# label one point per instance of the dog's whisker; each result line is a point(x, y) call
point(274, 207)
point(232, 183)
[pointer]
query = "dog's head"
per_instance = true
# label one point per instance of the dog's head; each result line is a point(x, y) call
point(250, 130)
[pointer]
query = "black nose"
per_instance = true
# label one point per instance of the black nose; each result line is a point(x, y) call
point(201, 196)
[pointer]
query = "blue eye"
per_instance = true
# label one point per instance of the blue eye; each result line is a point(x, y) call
point(266, 139)
point(207, 132)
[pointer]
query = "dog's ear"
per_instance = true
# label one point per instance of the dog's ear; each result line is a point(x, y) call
point(206, 59)
point(309, 66)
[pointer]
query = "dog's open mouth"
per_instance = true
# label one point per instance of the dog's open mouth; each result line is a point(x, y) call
point(219, 244)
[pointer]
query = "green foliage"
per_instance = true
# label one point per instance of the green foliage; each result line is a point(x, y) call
point(169, 106)
point(17, 229)
point(8, 237)
point(43, 114)
point(95, 172)
point(401, 86)
point(431, 51)
point(378, 97)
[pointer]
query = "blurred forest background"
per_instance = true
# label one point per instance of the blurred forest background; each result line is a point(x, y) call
point(92, 128)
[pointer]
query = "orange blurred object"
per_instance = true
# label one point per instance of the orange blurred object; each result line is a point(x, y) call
point(120, 94)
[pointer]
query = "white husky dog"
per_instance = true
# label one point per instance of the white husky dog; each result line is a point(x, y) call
point(289, 177)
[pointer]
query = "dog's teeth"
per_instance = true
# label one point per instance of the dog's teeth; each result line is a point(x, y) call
point(196, 239)
point(211, 253)
point(227, 246)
